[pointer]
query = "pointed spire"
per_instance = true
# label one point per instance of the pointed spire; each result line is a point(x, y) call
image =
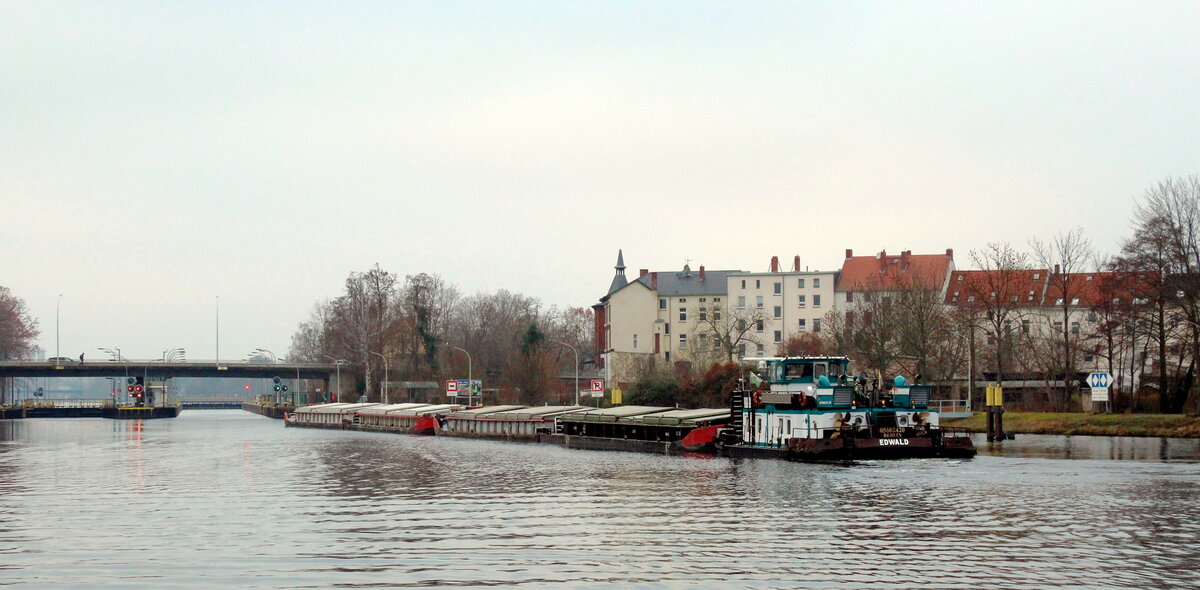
point(619, 278)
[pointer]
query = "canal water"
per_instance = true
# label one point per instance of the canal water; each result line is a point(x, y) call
point(231, 499)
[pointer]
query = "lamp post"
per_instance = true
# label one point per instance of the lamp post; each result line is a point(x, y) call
point(171, 354)
point(469, 375)
point(576, 367)
point(337, 363)
point(57, 307)
point(273, 360)
point(385, 374)
point(114, 351)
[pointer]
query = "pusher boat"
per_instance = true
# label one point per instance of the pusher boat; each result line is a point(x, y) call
point(809, 410)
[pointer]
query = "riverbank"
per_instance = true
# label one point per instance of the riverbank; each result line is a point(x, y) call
point(1168, 425)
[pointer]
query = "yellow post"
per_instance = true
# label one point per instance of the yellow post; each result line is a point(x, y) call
point(999, 395)
point(616, 396)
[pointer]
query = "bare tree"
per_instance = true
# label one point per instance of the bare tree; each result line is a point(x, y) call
point(998, 291)
point(729, 330)
point(1069, 254)
point(1171, 210)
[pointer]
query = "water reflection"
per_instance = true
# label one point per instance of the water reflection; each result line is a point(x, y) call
point(224, 499)
point(1124, 448)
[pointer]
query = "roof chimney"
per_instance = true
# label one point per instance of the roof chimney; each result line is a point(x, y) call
point(950, 253)
point(653, 281)
point(796, 264)
point(774, 264)
point(904, 258)
point(849, 253)
point(1056, 269)
point(702, 272)
point(642, 272)
point(883, 261)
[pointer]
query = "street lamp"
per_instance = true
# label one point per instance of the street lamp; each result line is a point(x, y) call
point(273, 360)
point(385, 374)
point(116, 352)
point(57, 307)
point(172, 354)
point(337, 363)
point(576, 367)
point(469, 379)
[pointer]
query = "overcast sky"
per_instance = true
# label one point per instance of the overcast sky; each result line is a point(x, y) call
point(155, 156)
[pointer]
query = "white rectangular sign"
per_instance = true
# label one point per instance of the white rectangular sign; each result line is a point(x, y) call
point(1099, 394)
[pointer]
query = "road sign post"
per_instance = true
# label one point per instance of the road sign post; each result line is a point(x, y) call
point(1099, 382)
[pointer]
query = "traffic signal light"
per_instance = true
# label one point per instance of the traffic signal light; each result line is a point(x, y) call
point(277, 388)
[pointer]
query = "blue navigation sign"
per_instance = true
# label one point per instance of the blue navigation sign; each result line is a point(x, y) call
point(1099, 383)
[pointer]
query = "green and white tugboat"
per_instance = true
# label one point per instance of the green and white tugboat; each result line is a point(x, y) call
point(809, 409)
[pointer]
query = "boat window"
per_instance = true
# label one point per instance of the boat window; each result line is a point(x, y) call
point(820, 369)
point(798, 371)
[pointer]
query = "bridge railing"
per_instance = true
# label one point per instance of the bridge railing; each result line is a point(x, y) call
point(66, 403)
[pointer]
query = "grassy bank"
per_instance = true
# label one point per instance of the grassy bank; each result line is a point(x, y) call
point(1173, 425)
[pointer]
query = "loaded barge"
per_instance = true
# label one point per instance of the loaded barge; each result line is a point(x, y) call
point(806, 410)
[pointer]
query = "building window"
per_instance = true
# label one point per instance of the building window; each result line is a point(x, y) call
point(703, 340)
point(742, 350)
point(803, 300)
point(799, 283)
point(850, 296)
point(683, 314)
point(716, 299)
point(1057, 325)
point(778, 288)
point(743, 283)
point(816, 324)
point(704, 314)
point(716, 314)
point(757, 284)
point(778, 336)
point(667, 355)
point(778, 311)
point(816, 283)
point(803, 327)
point(1091, 316)
point(741, 325)
point(667, 329)
point(1075, 328)
point(758, 326)
point(703, 299)
point(683, 342)
point(683, 299)
point(758, 302)
point(741, 302)
point(1025, 327)
point(635, 341)
point(816, 301)
point(1037, 275)
point(760, 350)
point(662, 303)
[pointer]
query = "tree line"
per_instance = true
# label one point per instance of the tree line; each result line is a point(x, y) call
point(515, 343)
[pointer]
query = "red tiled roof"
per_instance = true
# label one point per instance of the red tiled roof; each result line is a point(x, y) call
point(884, 271)
point(1040, 288)
point(1023, 288)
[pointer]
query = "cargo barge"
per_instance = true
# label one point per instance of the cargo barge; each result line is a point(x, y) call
point(806, 410)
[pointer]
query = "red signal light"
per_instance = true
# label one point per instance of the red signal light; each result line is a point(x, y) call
point(138, 388)
point(247, 388)
point(130, 388)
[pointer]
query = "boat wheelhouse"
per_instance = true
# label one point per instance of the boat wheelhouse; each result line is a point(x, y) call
point(813, 409)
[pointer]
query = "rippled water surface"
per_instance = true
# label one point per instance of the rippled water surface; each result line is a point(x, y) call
point(231, 499)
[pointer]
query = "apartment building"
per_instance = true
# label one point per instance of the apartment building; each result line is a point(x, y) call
point(654, 321)
point(777, 305)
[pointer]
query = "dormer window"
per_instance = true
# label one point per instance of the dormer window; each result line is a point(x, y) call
point(1037, 275)
point(1058, 301)
point(960, 277)
point(1089, 277)
point(1074, 301)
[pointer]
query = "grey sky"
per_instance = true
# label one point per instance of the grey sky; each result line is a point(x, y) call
point(154, 156)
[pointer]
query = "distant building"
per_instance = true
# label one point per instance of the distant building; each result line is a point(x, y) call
point(650, 323)
point(779, 304)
